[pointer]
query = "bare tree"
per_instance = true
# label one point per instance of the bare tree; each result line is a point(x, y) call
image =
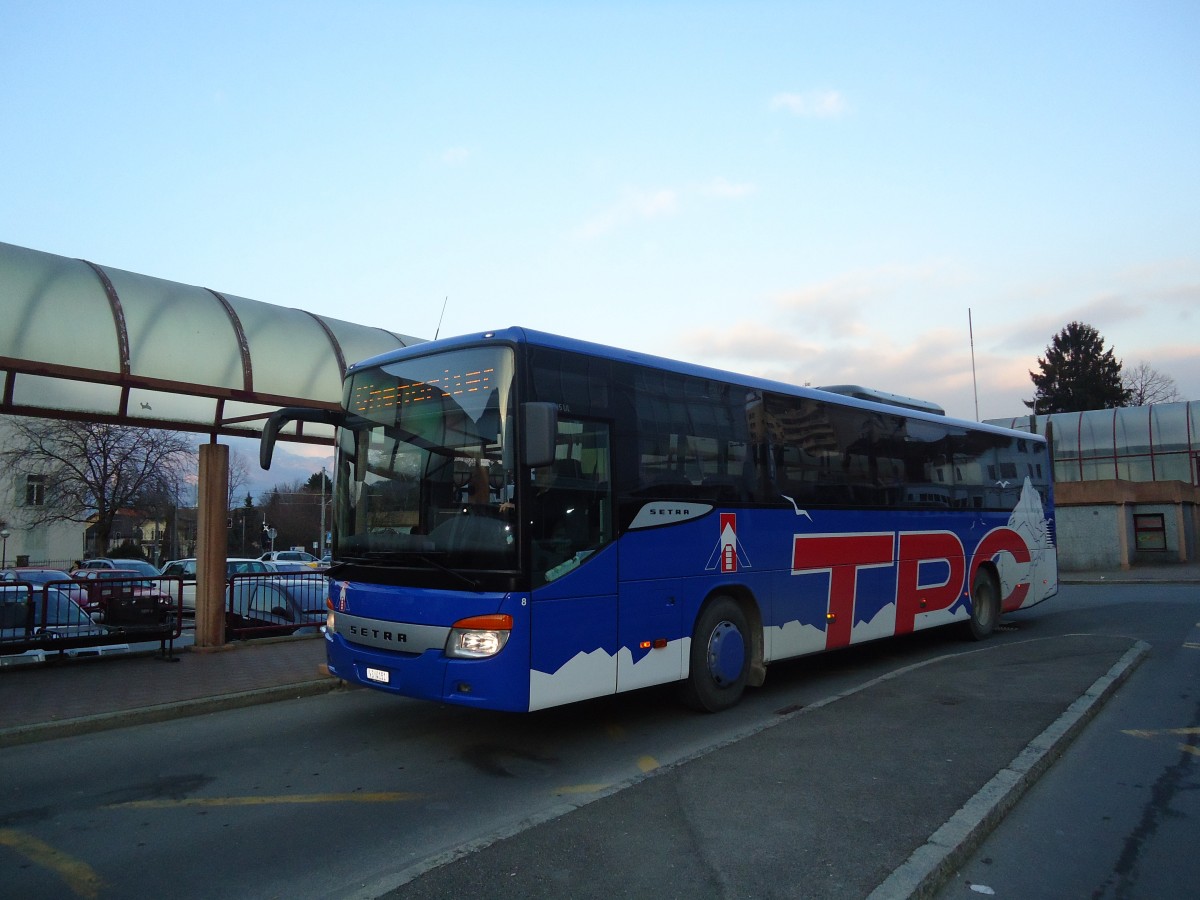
point(92, 472)
point(294, 511)
point(239, 477)
point(1147, 385)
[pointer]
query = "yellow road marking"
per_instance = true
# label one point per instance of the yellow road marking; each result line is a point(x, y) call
point(1174, 732)
point(1143, 733)
point(79, 876)
point(580, 789)
point(644, 763)
point(376, 797)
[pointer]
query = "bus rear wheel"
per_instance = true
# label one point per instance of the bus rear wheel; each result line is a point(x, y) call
point(720, 657)
point(985, 606)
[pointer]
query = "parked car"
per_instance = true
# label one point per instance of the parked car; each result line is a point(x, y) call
point(41, 577)
point(277, 606)
point(24, 619)
point(124, 597)
point(290, 566)
point(103, 562)
point(186, 569)
point(290, 556)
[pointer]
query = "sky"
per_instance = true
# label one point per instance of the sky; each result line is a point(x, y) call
point(909, 196)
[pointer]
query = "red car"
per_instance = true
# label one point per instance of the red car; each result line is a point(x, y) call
point(41, 577)
point(124, 596)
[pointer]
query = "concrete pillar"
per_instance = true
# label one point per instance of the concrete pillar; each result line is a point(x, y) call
point(1124, 527)
point(210, 545)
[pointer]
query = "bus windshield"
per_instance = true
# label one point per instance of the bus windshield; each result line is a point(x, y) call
point(425, 463)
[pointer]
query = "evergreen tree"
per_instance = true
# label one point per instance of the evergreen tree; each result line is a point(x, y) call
point(1077, 373)
point(315, 485)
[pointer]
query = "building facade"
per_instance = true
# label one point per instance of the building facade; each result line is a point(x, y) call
point(1127, 483)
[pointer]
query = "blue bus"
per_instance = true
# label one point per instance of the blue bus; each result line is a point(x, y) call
point(523, 520)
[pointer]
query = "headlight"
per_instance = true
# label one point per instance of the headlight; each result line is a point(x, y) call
point(479, 636)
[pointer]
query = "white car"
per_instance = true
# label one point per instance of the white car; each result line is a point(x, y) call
point(31, 632)
point(291, 556)
point(186, 569)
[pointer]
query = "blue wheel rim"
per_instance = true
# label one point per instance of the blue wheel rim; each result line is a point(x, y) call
point(726, 654)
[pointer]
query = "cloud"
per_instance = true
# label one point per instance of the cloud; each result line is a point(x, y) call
point(884, 327)
point(633, 205)
point(720, 187)
point(903, 329)
point(745, 341)
point(641, 204)
point(455, 156)
point(846, 304)
point(816, 104)
point(292, 462)
point(1129, 308)
point(833, 306)
point(933, 365)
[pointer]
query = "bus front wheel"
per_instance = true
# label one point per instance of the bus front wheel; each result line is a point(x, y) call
point(720, 657)
point(985, 606)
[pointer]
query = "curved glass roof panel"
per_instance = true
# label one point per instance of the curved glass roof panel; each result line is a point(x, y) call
point(53, 312)
point(1170, 429)
point(94, 340)
point(66, 395)
point(177, 329)
point(290, 354)
point(1066, 435)
point(1131, 425)
point(1096, 433)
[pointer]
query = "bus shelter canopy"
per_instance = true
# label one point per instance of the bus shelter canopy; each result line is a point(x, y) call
point(85, 341)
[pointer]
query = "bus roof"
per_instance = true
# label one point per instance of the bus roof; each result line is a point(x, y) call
point(864, 393)
point(845, 395)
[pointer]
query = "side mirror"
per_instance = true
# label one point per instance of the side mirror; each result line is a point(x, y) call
point(278, 419)
point(540, 428)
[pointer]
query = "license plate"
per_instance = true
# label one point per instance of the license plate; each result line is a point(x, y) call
point(380, 675)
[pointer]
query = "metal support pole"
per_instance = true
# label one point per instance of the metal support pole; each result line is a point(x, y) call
point(321, 538)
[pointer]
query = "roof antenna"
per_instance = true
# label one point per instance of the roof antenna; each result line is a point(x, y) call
point(442, 316)
point(974, 381)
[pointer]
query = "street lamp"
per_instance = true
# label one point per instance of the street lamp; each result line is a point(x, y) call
point(4, 533)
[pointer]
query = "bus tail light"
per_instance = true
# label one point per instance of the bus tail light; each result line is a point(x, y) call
point(478, 637)
point(329, 618)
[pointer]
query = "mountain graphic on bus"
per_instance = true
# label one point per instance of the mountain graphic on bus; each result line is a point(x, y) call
point(1029, 520)
point(729, 554)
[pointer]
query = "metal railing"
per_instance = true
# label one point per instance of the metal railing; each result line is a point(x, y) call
point(100, 615)
point(275, 604)
point(67, 616)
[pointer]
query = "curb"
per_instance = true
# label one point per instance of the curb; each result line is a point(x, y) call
point(46, 731)
point(931, 865)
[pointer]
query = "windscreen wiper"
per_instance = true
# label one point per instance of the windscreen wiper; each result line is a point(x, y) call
point(375, 561)
point(471, 583)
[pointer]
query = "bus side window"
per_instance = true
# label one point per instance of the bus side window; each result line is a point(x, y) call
point(571, 512)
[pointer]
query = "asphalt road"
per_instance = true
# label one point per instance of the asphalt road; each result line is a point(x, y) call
point(1119, 815)
point(832, 772)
